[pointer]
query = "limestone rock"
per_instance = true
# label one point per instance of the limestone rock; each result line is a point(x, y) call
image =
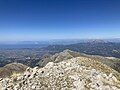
point(73, 74)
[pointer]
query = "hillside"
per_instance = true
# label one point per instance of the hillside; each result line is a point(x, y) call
point(106, 49)
point(12, 68)
point(109, 61)
point(68, 54)
point(74, 72)
point(31, 56)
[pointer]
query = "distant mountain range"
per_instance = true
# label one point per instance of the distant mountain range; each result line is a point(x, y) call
point(60, 41)
point(31, 54)
point(107, 49)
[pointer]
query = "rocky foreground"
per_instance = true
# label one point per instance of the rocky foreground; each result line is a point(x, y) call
point(78, 73)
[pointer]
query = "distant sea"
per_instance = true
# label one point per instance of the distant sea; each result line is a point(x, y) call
point(18, 46)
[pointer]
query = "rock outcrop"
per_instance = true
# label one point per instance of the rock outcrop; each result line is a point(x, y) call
point(58, 57)
point(68, 54)
point(78, 73)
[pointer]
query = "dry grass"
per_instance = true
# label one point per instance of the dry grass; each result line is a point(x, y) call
point(12, 68)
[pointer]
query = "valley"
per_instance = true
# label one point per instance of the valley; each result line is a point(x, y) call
point(35, 68)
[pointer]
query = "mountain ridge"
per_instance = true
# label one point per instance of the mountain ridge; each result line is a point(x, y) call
point(12, 68)
point(73, 74)
point(68, 54)
point(65, 70)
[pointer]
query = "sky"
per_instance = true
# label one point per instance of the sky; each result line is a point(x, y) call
point(29, 20)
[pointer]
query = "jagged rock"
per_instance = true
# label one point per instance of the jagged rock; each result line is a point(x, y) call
point(79, 73)
point(68, 54)
point(58, 57)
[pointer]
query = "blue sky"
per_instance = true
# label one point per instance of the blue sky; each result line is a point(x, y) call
point(22, 20)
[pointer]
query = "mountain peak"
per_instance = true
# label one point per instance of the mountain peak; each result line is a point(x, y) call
point(58, 57)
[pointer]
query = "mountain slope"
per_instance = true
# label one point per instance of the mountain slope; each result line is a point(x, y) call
point(107, 49)
point(109, 61)
point(9, 69)
point(78, 73)
point(68, 54)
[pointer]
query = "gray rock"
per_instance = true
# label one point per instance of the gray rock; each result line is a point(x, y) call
point(65, 75)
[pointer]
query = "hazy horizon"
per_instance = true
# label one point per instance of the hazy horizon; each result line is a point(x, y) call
point(56, 40)
point(34, 20)
point(59, 39)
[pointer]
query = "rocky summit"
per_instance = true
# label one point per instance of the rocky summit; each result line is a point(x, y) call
point(78, 73)
point(68, 54)
point(58, 57)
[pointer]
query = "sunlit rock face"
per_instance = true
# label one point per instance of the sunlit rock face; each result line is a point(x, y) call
point(58, 57)
point(68, 54)
point(72, 74)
